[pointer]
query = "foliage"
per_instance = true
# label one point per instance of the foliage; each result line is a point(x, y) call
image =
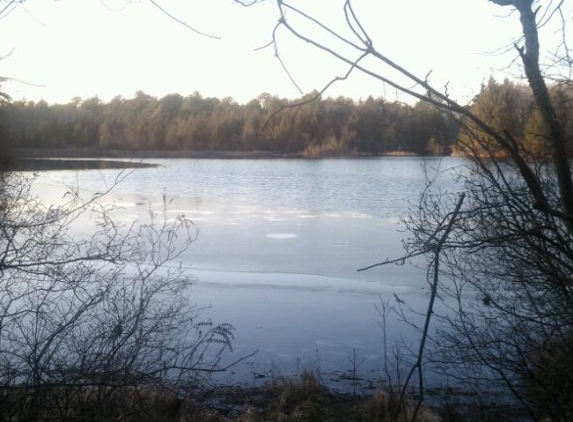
point(321, 127)
point(503, 107)
point(536, 140)
point(5, 153)
point(510, 107)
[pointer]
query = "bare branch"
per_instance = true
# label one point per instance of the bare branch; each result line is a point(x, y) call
point(314, 97)
point(434, 290)
point(179, 21)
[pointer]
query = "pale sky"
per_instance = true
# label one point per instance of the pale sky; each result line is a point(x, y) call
point(85, 48)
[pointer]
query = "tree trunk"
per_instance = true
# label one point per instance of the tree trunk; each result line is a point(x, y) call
point(530, 58)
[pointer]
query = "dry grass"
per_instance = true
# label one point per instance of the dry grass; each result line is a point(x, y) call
point(303, 399)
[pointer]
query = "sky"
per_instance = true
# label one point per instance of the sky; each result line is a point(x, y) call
point(60, 49)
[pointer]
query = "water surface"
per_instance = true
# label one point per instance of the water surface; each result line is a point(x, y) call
point(279, 245)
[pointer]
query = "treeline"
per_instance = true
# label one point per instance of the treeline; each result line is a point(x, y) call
point(321, 127)
point(174, 122)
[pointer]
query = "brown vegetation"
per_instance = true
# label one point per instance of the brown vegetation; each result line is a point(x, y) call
point(288, 400)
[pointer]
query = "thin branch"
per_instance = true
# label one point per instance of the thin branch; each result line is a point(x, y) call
point(248, 3)
point(223, 369)
point(319, 24)
point(314, 97)
point(30, 14)
point(349, 11)
point(20, 81)
point(9, 8)
point(418, 364)
point(427, 248)
point(394, 261)
point(179, 21)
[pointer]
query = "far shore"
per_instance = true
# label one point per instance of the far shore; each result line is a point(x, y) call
point(142, 154)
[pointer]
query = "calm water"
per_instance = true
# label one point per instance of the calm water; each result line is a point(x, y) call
point(279, 245)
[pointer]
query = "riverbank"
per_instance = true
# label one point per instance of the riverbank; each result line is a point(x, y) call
point(302, 399)
point(305, 399)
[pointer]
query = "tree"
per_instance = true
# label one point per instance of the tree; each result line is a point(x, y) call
point(508, 261)
point(5, 153)
point(504, 107)
point(536, 136)
point(317, 126)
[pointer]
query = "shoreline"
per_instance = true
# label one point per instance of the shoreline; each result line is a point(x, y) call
point(142, 154)
point(36, 164)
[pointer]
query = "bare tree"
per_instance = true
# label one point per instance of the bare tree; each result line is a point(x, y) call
point(94, 325)
point(508, 260)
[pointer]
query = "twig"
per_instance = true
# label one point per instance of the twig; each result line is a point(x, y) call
point(179, 21)
point(9, 8)
point(224, 368)
point(393, 261)
point(314, 97)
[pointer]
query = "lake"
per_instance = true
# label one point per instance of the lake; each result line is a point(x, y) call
point(279, 245)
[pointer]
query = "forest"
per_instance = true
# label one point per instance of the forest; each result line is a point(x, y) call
point(321, 127)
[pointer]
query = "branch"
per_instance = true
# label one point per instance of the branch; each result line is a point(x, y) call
point(427, 248)
point(397, 260)
point(443, 102)
point(223, 369)
point(418, 365)
point(502, 2)
point(179, 21)
point(314, 97)
point(10, 6)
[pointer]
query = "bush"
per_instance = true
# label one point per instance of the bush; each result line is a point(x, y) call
point(85, 318)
